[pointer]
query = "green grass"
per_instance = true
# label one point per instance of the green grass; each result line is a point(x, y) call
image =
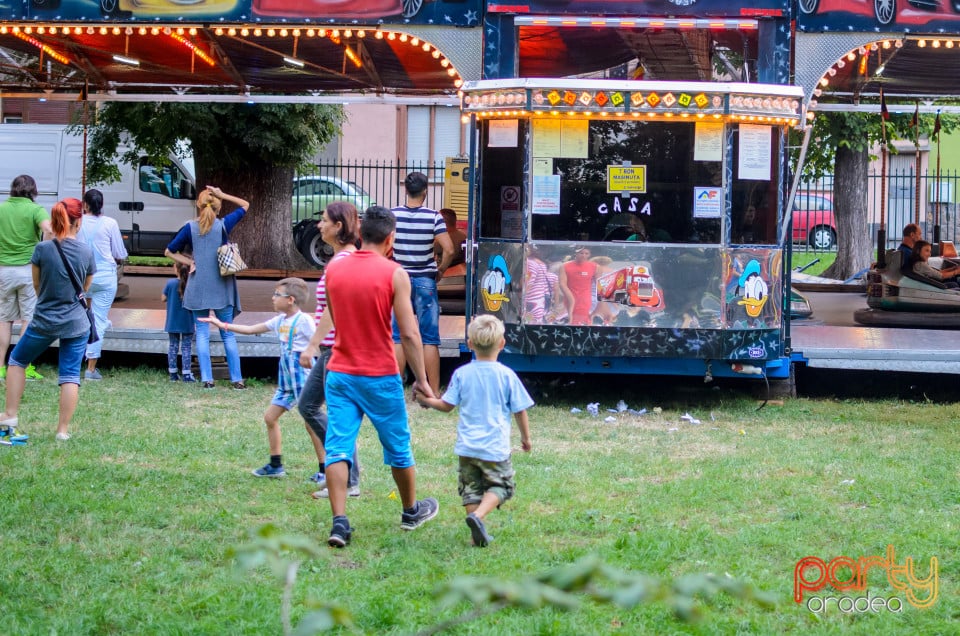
point(150, 261)
point(802, 258)
point(125, 528)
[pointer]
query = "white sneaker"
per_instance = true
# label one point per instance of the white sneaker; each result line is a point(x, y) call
point(352, 491)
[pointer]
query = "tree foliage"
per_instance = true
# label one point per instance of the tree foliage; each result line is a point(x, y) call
point(841, 144)
point(250, 150)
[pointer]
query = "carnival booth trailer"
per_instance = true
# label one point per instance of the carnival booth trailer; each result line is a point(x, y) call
point(632, 226)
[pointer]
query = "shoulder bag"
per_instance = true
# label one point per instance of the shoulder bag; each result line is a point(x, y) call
point(228, 257)
point(81, 297)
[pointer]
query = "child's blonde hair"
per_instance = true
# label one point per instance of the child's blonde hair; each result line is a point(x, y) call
point(297, 288)
point(485, 332)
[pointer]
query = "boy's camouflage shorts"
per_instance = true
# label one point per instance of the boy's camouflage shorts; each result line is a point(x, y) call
point(477, 476)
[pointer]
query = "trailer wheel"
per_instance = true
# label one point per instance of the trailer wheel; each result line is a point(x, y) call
point(313, 248)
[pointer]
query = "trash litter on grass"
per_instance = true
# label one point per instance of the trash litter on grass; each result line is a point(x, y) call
point(686, 417)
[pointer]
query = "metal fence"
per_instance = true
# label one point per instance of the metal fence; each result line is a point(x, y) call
point(381, 180)
point(938, 198)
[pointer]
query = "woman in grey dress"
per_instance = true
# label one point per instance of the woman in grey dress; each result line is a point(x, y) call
point(207, 291)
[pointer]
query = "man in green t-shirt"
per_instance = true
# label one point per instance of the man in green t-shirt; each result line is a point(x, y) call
point(23, 224)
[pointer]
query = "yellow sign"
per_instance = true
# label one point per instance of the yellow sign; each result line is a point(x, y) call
point(627, 179)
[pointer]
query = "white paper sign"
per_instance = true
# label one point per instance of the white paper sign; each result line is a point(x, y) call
point(707, 203)
point(708, 142)
point(503, 133)
point(546, 194)
point(754, 160)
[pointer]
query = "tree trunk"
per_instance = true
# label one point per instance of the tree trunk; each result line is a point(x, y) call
point(854, 243)
point(265, 235)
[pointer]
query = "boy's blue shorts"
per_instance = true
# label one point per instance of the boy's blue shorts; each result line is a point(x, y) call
point(380, 398)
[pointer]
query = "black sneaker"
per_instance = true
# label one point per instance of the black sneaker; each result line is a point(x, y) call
point(340, 533)
point(209, 385)
point(174, 377)
point(479, 531)
point(239, 386)
point(426, 510)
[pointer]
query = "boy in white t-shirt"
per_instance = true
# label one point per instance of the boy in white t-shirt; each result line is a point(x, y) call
point(294, 330)
point(487, 393)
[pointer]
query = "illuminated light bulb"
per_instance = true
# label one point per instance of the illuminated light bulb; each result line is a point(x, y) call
point(451, 71)
point(426, 47)
point(936, 44)
point(361, 33)
point(41, 30)
point(53, 30)
point(283, 33)
point(379, 35)
point(810, 116)
point(415, 41)
point(116, 30)
point(244, 32)
point(436, 54)
point(817, 92)
point(271, 33)
point(154, 31)
point(257, 32)
point(167, 30)
point(458, 83)
point(922, 43)
point(949, 44)
point(103, 30)
point(335, 33)
point(311, 33)
point(348, 33)
point(218, 31)
point(898, 44)
point(444, 62)
point(141, 30)
point(464, 119)
point(193, 31)
point(587, 113)
point(295, 33)
point(3, 30)
point(700, 115)
point(180, 31)
point(403, 37)
point(391, 36)
point(886, 44)
point(851, 56)
point(232, 32)
point(322, 33)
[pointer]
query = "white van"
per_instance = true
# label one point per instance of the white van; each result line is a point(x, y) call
point(150, 204)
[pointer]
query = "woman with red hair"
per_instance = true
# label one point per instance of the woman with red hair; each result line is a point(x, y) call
point(59, 315)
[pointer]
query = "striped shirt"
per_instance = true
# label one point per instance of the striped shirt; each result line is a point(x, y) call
point(322, 300)
point(413, 247)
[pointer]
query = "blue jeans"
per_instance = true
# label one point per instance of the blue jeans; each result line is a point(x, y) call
point(230, 347)
point(426, 305)
point(102, 291)
point(32, 344)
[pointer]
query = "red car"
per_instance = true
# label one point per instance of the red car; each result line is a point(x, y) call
point(887, 12)
point(813, 221)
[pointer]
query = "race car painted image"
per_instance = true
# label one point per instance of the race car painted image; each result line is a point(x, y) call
point(632, 286)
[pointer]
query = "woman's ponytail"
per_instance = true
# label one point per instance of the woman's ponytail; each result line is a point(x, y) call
point(64, 214)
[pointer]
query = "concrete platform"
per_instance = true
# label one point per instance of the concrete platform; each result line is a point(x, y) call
point(141, 331)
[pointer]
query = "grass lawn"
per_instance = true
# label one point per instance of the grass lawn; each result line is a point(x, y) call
point(125, 528)
point(824, 260)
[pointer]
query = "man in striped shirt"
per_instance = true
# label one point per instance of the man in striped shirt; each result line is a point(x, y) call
point(418, 228)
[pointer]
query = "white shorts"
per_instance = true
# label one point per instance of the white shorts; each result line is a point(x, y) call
point(18, 299)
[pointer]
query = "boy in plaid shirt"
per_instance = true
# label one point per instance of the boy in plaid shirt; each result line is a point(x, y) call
point(294, 330)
